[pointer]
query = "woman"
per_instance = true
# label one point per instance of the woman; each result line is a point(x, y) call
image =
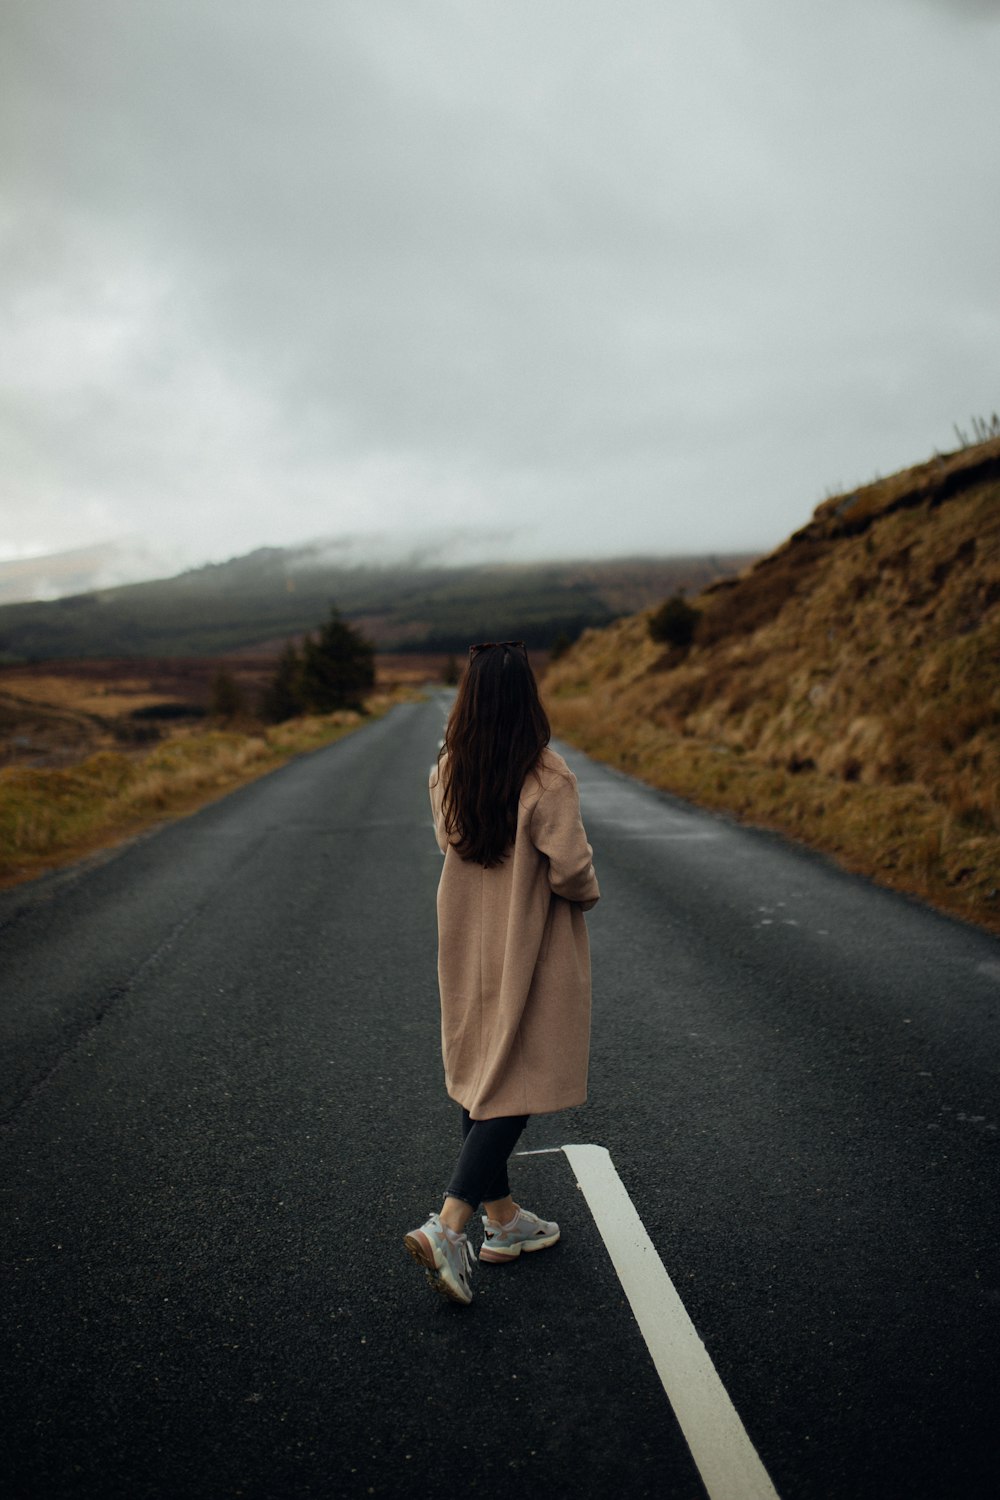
point(513, 956)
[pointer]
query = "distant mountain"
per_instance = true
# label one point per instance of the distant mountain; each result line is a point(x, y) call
point(79, 570)
point(274, 593)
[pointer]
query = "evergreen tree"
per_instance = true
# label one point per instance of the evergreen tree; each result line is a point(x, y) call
point(338, 667)
point(283, 696)
point(227, 696)
point(452, 671)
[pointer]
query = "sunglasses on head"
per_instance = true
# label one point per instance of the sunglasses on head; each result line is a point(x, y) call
point(493, 645)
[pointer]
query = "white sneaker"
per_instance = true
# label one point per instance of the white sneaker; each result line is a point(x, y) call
point(525, 1231)
point(446, 1259)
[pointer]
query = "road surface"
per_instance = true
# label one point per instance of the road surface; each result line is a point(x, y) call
point(222, 1108)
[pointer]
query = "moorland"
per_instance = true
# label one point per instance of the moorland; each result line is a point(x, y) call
point(94, 747)
point(94, 752)
point(844, 689)
point(257, 601)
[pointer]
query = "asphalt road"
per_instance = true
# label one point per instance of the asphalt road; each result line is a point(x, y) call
point(222, 1107)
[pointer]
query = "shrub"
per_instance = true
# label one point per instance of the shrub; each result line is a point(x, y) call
point(227, 696)
point(675, 622)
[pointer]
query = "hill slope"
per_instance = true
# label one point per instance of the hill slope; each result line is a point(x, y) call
point(273, 593)
point(845, 689)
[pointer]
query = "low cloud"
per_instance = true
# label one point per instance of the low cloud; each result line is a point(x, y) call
point(573, 279)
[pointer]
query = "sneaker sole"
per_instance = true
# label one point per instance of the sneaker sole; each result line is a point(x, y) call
point(497, 1257)
point(422, 1251)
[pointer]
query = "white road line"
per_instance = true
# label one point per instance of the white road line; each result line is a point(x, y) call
point(727, 1460)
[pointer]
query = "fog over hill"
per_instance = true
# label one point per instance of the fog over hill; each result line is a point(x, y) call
point(28, 577)
point(427, 592)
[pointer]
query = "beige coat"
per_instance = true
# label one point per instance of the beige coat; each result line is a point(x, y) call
point(513, 957)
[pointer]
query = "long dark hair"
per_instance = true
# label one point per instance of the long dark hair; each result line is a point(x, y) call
point(495, 737)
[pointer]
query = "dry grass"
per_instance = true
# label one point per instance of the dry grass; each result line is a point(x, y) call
point(56, 713)
point(83, 695)
point(50, 817)
point(846, 690)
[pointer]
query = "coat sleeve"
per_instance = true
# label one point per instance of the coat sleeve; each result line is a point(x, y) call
point(435, 789)
point(557, 832)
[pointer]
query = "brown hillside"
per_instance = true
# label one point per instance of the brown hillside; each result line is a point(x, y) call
point(845, 689)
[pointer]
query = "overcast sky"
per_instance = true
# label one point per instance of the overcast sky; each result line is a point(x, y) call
point(576, 276)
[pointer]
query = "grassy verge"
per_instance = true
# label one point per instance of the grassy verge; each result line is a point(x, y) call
point(902, 836)
point(48, 818)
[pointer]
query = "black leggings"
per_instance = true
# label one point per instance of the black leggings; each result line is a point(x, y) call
point(480, 1174)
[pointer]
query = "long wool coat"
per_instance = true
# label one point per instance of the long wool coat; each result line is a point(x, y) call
point(513, 956)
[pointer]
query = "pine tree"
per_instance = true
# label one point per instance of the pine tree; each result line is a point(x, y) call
point(227, 696)
point(338, 667)
point(283, 697)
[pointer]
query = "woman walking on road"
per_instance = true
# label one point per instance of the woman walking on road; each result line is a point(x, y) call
point(513, 955)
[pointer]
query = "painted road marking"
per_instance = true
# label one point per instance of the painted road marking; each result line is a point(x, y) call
point(726, 1459)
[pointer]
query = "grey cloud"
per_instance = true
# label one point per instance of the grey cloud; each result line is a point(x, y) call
point(655, 275)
